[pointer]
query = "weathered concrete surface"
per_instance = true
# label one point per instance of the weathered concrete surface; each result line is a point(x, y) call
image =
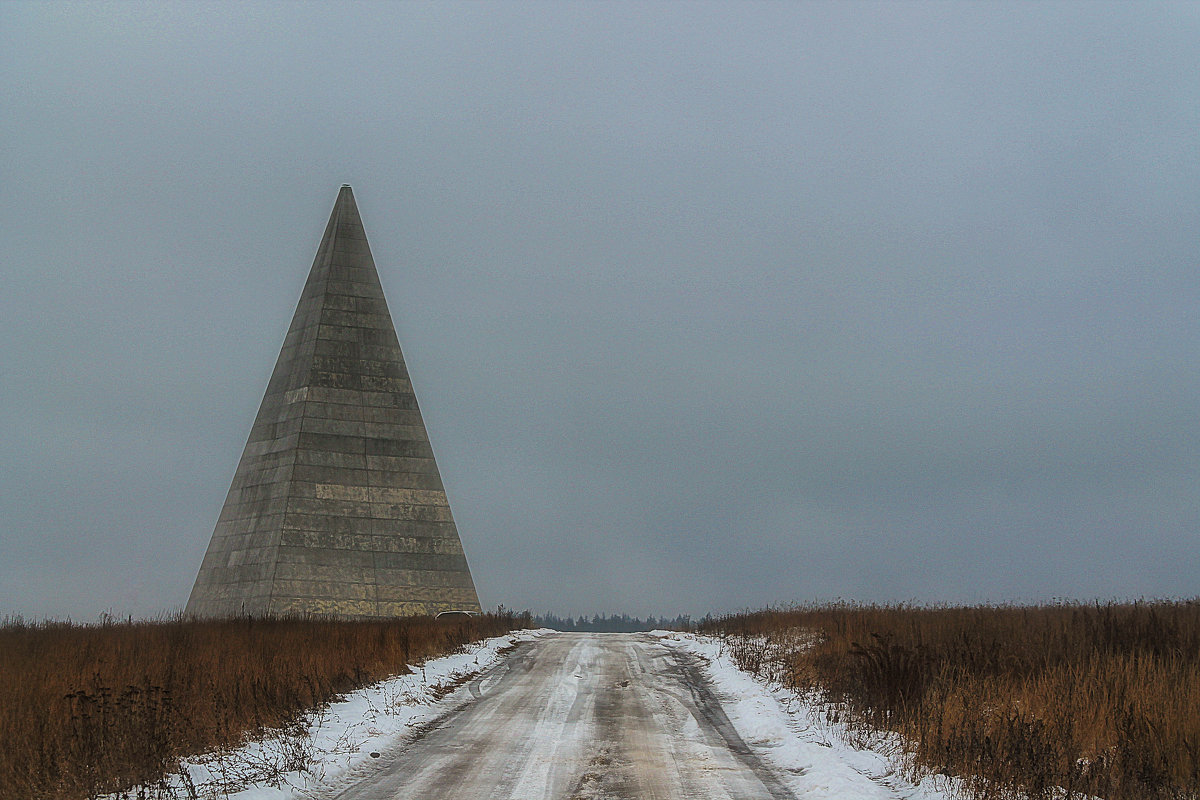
point(578, 716)
point(337, 506)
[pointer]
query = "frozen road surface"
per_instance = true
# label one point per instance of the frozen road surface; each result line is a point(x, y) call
point(576, 715)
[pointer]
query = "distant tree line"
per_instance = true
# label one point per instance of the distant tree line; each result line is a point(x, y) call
point(617, 623)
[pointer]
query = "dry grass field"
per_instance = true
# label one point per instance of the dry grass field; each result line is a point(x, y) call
point(1099, 700)
point(90, 709)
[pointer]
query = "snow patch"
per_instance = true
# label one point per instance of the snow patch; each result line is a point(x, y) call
point(329, 746)
point(789, 732)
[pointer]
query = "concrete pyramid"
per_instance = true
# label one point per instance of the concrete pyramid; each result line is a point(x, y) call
point(337, 507)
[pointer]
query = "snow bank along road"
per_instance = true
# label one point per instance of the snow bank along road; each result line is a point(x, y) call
point(571, 716)
point(579, 716)
point(563, 716)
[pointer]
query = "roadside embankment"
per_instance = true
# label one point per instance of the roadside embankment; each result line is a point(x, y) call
point(1068, 700)
point(88, 710)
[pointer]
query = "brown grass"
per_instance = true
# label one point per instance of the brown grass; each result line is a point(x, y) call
point(1100, 700)
point(87, 710)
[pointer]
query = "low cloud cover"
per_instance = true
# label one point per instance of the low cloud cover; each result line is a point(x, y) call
point(707, 306)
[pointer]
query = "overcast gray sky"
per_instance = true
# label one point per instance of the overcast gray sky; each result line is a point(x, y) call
point(707, 306)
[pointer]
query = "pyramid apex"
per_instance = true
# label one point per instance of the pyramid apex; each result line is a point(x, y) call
point(345, 199)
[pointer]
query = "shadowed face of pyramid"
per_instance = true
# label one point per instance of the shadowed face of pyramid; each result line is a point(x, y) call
point(337, 506)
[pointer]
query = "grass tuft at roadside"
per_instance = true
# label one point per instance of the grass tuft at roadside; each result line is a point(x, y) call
point(89, 710)
point(1063, 701)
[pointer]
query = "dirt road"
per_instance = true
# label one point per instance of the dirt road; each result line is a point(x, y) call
point(577, 715)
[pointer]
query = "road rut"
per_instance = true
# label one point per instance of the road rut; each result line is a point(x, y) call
point(581, 717)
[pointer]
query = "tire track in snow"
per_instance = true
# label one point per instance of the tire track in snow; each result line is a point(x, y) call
point(581, 716)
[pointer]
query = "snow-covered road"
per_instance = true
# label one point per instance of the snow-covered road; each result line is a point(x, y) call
point(580, 716)
point(561, 716)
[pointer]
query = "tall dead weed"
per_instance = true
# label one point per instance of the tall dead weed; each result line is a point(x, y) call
point(87, 710)
point(1063, 701)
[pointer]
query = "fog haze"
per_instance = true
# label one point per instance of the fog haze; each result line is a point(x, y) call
point(707, 306)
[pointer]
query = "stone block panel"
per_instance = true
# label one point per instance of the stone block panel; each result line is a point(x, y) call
point(325, 557)
point(374, 383)
point(416, 545)
point(355, 319)
point(368, 526)
point(277, 410)
point(247, 524)
point(271, 472)
point(316, 606)
point(409, 448)
point(331, 491)
point(311, 296)
point(345, 245)
point(405, 512)
point(232, 591)
point(245, 573)
point(400, 609)
point(255, 492)
point(212, 559)
point(284, 382)
point(327, 394)
point(330, 363)
point(414, 480)
point(389, 415)
point(336, 427)
point(229, 607)
point(339, 302)
point(273, 430)
point(281, 458)
point(332, 591)
point(373, 306)
point(256, 534)
point(360, 274)
point(333, 573)
point(325, 523)
point(403, 433)
point(337, 380)
point(338, 333)
point(410, 512)
point(388, 353)
point(400, 464)
point(331, 443)
point(335, 508)
point(403, 400)
point(455, 562)
point(427, 594)
point(327, 540)
point(258, 508)
point(350, 230)
point(295, 336)
point(314, 410)
point(328, 458)
point(263, 541)
point(321, 474)
point(376, 336)
point(351, 288)
point(391, 495)
point(406, 527)
point(423, 578)
point(370, 543)
point(272, 445)
point(250, 555)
